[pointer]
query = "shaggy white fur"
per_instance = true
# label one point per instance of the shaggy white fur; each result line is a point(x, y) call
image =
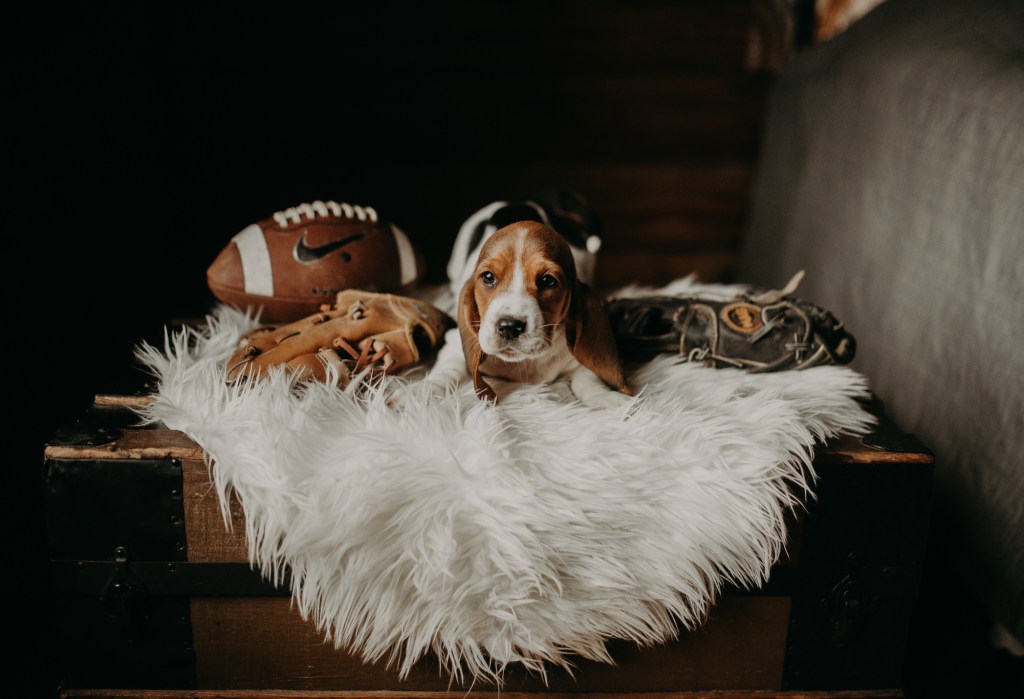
point(522, 533)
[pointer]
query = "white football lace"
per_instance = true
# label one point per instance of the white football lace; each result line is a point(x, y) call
point(324, 208)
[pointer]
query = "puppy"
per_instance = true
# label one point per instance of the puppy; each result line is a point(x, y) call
point(524, 317)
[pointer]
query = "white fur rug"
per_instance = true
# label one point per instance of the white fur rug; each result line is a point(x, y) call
point(522, 533)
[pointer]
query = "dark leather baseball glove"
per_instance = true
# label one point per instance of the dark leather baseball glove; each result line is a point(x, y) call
point(759, 332)
point(382, 332)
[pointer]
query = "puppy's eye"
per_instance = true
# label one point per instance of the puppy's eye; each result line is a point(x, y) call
point(488, 278)
point(547, 282)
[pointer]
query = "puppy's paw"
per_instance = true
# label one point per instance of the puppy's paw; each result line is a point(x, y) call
point(399, 399)
point(605, 400)
point(411, 394)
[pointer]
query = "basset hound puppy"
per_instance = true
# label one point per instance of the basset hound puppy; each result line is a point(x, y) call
point(524, 317)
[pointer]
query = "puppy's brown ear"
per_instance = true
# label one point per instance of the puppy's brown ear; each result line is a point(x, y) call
point(590, 338)
point(469, 328)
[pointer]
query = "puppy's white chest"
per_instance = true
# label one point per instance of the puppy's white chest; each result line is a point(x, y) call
point(546, 368)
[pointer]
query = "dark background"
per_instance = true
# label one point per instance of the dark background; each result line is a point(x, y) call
point(143, 138)
point(140, 139)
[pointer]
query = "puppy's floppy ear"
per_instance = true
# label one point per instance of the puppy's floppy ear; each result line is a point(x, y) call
point(589, 334)
point(469, 327)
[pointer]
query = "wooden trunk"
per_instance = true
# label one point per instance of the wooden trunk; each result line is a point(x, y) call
point(154, 592)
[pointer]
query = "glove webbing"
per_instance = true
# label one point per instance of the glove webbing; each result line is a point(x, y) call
point(364, 359)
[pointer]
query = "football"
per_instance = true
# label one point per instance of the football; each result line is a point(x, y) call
point(286, 266)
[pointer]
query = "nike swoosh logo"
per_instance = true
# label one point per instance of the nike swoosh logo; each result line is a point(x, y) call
point(306, 255)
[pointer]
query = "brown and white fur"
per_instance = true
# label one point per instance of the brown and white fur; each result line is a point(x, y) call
point(524, 317)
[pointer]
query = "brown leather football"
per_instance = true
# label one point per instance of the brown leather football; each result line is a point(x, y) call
point(288, 265)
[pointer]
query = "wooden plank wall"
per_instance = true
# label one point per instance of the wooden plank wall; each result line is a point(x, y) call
point(651, 109)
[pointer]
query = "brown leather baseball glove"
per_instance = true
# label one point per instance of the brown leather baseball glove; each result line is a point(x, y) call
point(383, 332)
point(760, 332)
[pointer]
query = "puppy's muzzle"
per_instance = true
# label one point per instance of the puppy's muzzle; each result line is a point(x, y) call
point(510, 328)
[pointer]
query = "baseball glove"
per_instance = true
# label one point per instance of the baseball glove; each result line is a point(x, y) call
point(362, 330)
point(759, 332)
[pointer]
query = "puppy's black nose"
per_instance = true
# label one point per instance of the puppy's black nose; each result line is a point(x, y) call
point(510, 328)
